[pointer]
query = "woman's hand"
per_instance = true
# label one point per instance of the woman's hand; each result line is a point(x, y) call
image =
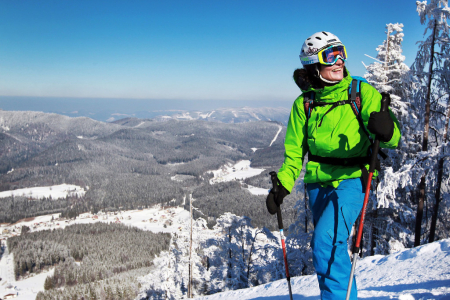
point(382, 125)
point(275, 197)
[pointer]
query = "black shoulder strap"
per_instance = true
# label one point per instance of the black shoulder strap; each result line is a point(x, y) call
point(355, 97)
point(308, 100)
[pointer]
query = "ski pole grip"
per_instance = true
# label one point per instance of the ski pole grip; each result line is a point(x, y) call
point(279, 219)
point(385, 101)
point(273, 177)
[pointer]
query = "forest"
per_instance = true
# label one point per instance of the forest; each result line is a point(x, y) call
point(88, 254)
point(122, 166)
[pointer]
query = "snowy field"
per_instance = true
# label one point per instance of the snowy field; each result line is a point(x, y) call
point(239, 171)
point(55, 191)
point(25, 289)
point(152, 219)
point(413, 274)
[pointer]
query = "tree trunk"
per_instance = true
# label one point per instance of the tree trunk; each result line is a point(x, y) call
point(425, 144)
point(374, 232)
point(250, 258)
point(419, 212)
point(438, 200)
point(190, 252)
point(439, 180)
point(386, 63)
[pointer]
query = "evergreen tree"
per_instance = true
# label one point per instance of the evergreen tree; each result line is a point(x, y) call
point(388, 72)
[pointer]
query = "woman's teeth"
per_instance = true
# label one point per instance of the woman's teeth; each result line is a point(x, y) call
point(337, 70)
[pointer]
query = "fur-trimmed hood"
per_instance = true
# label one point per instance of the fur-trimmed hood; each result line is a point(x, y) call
point(305, 80)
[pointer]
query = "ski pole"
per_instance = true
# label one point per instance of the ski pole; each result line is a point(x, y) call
point(274, 178)
point(385, 101)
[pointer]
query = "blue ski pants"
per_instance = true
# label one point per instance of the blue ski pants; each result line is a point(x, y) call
point(334, 211)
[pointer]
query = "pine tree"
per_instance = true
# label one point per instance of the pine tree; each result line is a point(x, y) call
point(48, 284)
point(388, 72)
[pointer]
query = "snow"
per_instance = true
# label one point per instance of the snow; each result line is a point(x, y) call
point(257, 191)
point(240, 170)
point(418, 273)
point(207, 115)
point(150, 219)
point(24, 289)
point(276, 135)
point(55, 191)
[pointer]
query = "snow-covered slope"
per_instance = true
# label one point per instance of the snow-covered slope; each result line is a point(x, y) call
point(412, 274)
point(234, 115)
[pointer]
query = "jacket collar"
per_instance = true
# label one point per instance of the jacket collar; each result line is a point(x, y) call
point(329, 93)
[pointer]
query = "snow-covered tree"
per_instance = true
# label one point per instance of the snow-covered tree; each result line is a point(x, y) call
point(298, 241)
point(413, 184)
point(387, 73)
point(431, 70)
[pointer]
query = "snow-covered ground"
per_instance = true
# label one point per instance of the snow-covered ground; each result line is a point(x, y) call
point(411, 274)
point(419, 273)
point(238, 171)
point(155, 219)
point(24, 289)
point(257, 190)
point(55, 191)
point(276, 136)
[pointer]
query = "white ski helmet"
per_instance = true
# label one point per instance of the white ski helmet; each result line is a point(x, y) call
point(315, 43)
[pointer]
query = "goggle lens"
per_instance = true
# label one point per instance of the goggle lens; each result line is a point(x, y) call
point(330, 55)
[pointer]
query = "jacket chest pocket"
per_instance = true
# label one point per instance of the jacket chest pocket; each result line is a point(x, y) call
point(330, 130)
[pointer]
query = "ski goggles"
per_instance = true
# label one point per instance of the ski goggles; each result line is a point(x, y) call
point(328, 56)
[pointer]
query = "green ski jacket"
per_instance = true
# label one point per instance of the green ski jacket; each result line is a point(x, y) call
point(339, 135)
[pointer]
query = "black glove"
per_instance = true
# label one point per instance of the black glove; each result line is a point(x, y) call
point(275, 198)
point(382, 125)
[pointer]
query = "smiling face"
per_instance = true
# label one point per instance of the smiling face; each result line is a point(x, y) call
point(334, 72)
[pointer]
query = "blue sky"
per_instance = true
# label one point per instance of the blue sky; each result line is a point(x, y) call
point(194, 50)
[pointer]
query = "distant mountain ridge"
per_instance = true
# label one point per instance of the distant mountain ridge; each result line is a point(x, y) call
point(109, 110)
point(222, 115)
point(234, 115)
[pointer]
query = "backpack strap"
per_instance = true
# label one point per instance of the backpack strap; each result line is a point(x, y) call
point(308, 100)
point(354, 93)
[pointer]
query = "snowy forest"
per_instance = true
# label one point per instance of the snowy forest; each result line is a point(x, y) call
point(231, 242)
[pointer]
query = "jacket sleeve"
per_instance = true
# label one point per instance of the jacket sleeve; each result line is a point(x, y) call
point(371, 101)
point(295, 145)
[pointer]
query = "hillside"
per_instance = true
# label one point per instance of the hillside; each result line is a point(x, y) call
point(132, 163)
point(418, 273)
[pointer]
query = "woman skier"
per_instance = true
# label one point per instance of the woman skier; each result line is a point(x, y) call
point(338, 146)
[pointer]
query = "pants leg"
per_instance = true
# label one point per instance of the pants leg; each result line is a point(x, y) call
point(334, 212)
